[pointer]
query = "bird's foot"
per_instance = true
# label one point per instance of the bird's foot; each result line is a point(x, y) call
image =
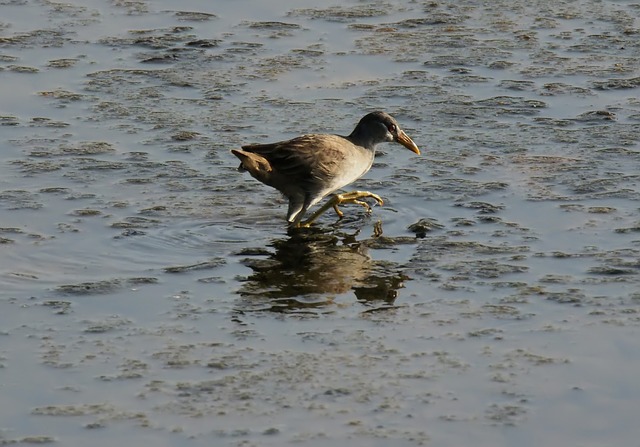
point(354, 197)
point(341, 199)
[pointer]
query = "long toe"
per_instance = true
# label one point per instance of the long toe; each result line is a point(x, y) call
point(361, 203)
point(351, 197)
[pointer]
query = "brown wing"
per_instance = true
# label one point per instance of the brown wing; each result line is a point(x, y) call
point(310, 159)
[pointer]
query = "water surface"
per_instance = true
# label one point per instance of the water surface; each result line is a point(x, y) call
point(152, 294)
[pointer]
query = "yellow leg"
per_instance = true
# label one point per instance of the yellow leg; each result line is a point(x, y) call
point(340, 199)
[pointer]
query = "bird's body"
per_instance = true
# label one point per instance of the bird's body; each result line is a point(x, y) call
point(306, 169)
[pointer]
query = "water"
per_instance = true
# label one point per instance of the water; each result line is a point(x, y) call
point(152, 294)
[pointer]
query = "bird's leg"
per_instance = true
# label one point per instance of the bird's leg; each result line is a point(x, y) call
point(339, 199)
point(333, 202)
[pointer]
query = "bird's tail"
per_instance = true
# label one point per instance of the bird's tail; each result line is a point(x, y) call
point(256, 164)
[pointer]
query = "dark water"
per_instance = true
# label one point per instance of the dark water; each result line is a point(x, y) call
point(152, 295)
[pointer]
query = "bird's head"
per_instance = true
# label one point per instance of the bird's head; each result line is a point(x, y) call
point(378, 127)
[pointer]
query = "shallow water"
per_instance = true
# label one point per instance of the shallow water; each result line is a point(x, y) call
point(151, 293)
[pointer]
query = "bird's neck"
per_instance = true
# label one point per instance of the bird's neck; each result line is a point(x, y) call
point(363, 139)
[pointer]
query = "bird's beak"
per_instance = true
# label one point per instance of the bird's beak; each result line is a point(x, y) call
point(407, 142)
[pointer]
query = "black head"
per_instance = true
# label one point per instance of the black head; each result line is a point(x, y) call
point(379, 127)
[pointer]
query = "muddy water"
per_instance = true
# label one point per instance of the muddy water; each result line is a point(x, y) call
point(152, 295)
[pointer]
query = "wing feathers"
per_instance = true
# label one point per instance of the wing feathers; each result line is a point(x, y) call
point(306, 158)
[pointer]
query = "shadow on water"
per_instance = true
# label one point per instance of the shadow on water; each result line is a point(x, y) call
point(307, 270)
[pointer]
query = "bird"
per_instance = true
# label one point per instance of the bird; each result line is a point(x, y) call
point(308, 168)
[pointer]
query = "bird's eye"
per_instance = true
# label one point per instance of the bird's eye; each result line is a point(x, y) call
point(392, 128)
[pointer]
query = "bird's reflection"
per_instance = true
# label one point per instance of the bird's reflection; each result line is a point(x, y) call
point(307, 270)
